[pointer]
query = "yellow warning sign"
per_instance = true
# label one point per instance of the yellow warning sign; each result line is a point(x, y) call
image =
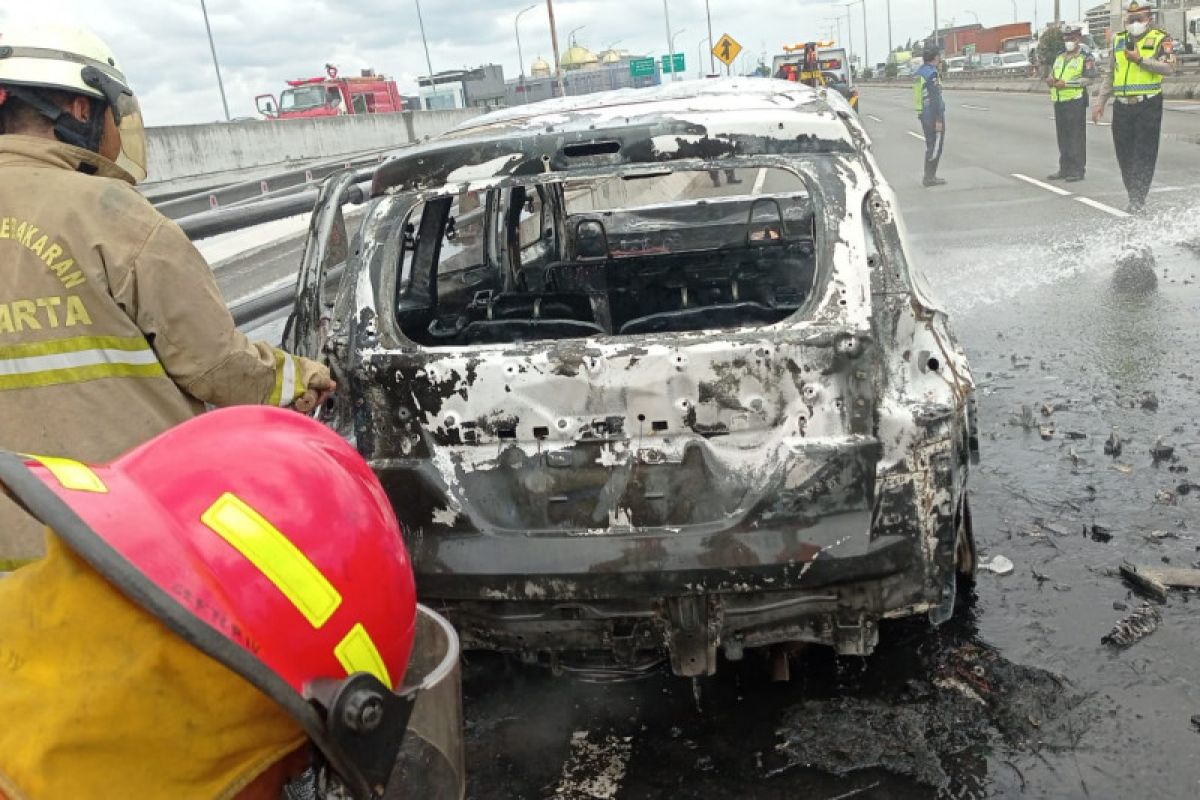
point(727, 49)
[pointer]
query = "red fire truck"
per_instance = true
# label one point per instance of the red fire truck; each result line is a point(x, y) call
point(332, 95)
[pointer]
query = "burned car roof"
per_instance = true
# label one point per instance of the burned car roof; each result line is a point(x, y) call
point(686, 120)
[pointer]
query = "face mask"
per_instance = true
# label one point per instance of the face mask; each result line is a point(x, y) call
point(1071, 46)
point(1136, 28)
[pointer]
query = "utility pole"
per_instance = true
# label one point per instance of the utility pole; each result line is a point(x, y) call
point(670, 54)
point(216, 64)
point(892, 49)
point(428, 63)
point(520, 53)
point(850, 35)
point(937, 38)
point(866, 45)
point(712, 59)
point(1057, 12)
point(562, 90)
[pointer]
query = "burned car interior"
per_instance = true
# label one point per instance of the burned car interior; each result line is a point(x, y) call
point(564, 261)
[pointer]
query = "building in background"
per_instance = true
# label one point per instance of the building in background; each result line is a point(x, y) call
point(969, 39)
point(482, 87)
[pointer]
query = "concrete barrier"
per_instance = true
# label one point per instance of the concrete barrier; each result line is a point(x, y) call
point(182, 151)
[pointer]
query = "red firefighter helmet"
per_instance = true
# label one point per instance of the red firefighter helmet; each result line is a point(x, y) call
point(265, 540)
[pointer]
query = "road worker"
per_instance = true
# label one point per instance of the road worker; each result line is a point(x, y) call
point(1141, 56)
point(211, 603)
point(111, 325)
point(1070, 75)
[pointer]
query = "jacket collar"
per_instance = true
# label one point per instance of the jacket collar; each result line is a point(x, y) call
point(16, 149)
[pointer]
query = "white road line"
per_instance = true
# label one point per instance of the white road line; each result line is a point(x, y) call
point(759, 181)
point(872, 116)
point(594, 769)
point(915, 135)
point(1087, 201)
point(1041, 185)
point(975, 108)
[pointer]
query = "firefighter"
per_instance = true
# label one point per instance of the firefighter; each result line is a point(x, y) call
point(1141, 56)
point(111, 325)
point(211, 603)
point(1069, 77)
point(931, 110)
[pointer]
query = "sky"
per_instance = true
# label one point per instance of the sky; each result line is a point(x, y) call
point(261, 43)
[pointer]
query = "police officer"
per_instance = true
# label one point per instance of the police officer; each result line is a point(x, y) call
point(931, 110)
point(1141, 56)
point(1069, 77)
point(111, 326)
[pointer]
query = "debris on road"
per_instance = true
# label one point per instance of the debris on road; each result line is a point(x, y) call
point(1112, 446)
point(1097, 533)
point(1154, 581)
point(1161, 451)
point(1148, 401)
point(1196, 722)
point(1141, 623)
point(1046, 432)
point(999, 565)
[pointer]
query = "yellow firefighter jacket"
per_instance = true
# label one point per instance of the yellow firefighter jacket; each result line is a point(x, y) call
point(112, 328)
point(99, 699)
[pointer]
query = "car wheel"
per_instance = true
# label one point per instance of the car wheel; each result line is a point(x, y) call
point(964, 545)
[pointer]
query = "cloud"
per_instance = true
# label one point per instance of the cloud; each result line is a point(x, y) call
point(261, 43)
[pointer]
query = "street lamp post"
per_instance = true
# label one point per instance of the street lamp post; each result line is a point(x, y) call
point(892, 49)
point(849, 35)
point(1014, 5)
point(937, 44)
point(973, 15)
point(425, 43)
point(517, 30)
point(866, 41)
point(700, 55)
point(562, 90)
point(571, 36)
point(712, 59)
point(671, 55)
point(216, 64)
point(670, 50)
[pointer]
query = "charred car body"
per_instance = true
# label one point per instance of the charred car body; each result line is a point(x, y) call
point(623, 413)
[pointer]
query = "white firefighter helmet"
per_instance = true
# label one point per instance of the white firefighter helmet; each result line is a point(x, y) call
point(66, 59)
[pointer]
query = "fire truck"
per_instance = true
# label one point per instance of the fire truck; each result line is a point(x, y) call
point(817, 64)
point(332, 95)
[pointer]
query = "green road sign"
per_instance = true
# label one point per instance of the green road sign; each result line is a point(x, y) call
point(641, 67)
point(673, 63)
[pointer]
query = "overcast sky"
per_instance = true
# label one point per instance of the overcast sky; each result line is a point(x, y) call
point(261, 43)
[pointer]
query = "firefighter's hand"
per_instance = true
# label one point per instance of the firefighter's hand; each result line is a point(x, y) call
point(1060, 84)
point(318, 391)
point(1097, 113)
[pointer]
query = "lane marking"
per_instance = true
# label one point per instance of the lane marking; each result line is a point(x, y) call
point(1087, 201)
point(759, 181)
point(915, 135)
point(975, 108)
point(872, 116)
point(1042, 185)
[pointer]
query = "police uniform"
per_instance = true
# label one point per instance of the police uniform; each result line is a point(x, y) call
point(1076, 70)
point(931, 111)
point(1136, 88)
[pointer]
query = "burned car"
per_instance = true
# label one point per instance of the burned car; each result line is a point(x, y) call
point(626, 411)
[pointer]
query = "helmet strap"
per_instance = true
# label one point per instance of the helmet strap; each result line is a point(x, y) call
point(67, 129)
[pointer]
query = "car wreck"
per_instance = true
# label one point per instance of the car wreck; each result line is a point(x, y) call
point(626, 411)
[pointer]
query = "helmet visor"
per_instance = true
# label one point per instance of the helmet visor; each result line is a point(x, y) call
point(127, 114)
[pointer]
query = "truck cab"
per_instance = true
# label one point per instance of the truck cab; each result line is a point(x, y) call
point(332, 96)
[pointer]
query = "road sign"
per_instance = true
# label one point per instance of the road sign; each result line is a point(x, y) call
point(726, 49)
point(641, 67)
point(673, 63)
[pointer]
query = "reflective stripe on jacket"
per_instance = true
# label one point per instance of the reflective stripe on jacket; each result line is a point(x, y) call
point(1130, 79)
point(112, 328)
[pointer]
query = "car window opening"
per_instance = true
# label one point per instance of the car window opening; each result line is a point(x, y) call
point(677, 252)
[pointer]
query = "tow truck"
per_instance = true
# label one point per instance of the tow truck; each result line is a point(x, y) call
point(332, 95)
point(817, 64)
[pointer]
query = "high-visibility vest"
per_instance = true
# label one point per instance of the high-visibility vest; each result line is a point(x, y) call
point(1130, 79)
point(1068, 67)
